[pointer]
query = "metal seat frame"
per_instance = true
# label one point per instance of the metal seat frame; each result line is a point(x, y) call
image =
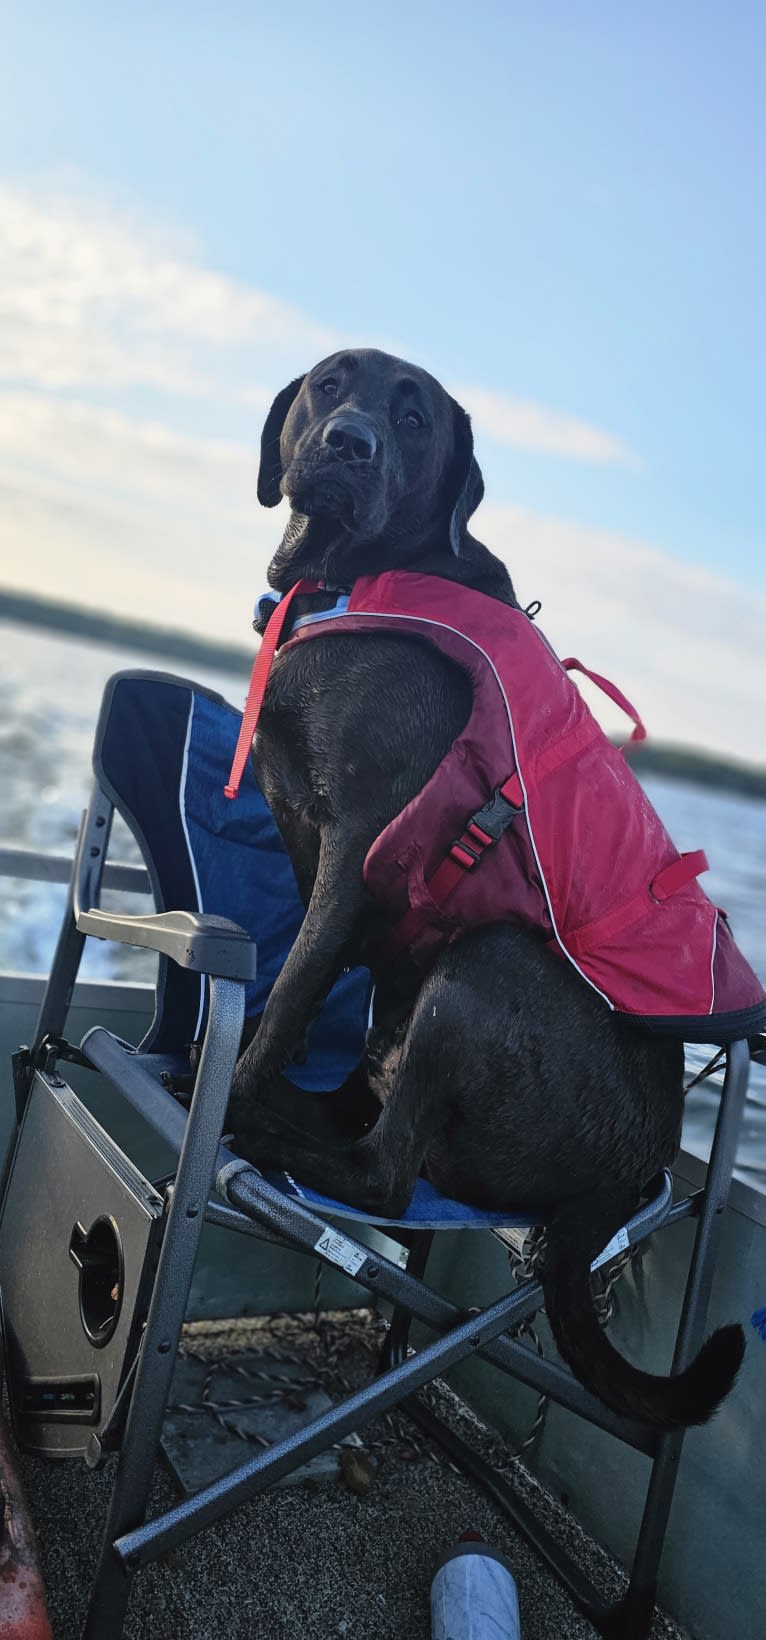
point(248, 1203)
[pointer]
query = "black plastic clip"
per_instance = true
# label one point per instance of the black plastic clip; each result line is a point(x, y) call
point(496, 816)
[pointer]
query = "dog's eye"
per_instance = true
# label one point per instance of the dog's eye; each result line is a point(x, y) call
point(330, 387)
point(411, 418)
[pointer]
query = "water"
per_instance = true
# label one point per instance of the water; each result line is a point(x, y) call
point(50, 691)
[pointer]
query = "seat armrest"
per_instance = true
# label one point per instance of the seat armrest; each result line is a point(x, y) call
point(206, 944)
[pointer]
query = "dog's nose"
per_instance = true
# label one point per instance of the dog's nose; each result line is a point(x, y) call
point(351, 438)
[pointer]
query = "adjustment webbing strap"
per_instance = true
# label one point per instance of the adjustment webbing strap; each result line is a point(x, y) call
point(679, 873)
point(467, 850)
point(258, 681)
point(483, 830)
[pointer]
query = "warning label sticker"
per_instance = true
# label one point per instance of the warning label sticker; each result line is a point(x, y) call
point(617, 1245)
point(340, 1251)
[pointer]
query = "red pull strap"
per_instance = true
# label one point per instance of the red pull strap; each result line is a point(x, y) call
point(258, 681)
point(610, 689)
point(680, 871)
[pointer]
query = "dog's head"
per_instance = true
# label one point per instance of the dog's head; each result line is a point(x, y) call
point(377, 463)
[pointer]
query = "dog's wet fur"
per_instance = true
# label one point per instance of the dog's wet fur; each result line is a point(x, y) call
point(501, 1075)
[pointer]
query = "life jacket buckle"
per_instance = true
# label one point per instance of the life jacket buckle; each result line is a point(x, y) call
point(489, 823)
point(506, 802)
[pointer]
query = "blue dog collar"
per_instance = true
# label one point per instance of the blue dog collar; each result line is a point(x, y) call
point(267, 602)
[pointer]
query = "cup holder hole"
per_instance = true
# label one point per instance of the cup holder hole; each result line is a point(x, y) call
point(97, 1254)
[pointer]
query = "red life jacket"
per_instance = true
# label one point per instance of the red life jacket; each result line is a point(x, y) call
point(535, 817)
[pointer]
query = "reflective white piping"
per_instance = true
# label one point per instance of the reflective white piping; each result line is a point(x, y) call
point(425, 621)
point(192, 861)
point(712, 964)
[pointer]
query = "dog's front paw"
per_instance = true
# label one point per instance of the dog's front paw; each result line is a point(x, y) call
point(256, 1126)
point(260, 1138)
point(181, 1087)
point(242, 1101)
point(182, 1083)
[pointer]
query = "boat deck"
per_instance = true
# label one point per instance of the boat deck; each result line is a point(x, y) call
point(345, 1555)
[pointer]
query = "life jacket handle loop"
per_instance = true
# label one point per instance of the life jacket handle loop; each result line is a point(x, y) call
point(571, 664)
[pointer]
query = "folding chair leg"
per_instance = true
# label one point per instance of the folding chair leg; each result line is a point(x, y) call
point(397, 1338)
point(629, 1618)
point(130, 1495)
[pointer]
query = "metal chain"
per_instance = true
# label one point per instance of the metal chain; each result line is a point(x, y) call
point(524, 1256)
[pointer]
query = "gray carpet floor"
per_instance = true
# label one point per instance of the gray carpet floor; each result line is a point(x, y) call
point(348, 1555)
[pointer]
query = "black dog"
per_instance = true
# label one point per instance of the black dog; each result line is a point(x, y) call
point(502, 1076)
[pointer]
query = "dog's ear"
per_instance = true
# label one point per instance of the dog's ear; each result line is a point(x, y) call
point(465, 485)
point(270, 470)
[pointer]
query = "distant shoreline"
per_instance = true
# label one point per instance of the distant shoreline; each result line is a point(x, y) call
point(28, 610)
point(24, 608)
point(701, 768)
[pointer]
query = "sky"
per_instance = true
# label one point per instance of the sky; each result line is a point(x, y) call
point(556, 208)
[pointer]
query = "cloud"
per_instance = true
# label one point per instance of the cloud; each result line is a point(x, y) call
point(89, 448)
point(93, 299)
point(135, 382)
point(534, 427)
point(168, 532)
point(685, 645)
point(188, 572)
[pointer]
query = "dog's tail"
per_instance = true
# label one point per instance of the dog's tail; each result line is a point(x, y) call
point(575, 1235)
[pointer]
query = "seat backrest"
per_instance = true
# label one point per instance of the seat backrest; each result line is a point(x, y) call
point(162, 755)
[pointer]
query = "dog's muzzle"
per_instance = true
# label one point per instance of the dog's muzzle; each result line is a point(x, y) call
point(351, 438)
point(339, 474)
